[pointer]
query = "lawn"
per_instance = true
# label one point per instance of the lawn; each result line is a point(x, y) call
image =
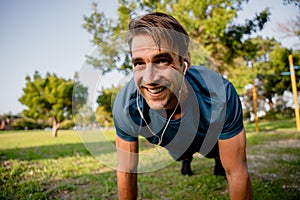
point(34, 165)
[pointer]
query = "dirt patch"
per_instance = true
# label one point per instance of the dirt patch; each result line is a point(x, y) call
point(276, 161)
point(257, 153)
point(290, 143)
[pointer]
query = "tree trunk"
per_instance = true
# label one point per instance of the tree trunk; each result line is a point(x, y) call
point(271, 103)
point(55, 126)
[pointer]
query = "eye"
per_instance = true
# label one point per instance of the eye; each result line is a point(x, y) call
point(164, 61)
point(139, 64)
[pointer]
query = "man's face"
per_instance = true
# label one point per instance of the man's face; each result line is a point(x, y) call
point(157, 72)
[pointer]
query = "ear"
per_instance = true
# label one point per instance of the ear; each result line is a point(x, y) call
point(187, 60)
point(186, 65)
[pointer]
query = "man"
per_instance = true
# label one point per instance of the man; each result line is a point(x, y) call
point(182, 108)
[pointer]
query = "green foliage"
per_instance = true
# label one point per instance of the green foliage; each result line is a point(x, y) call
point(107, 97)
point(262, 49)
point(216, 41)
point(267, 64)
point(105, 101)
point(274, 81)
point(67, 124)
point(85, 116)
point(49, 97)
point(253, 63)
point(107, 37)
point(283, 113)
point(103, 117)
point(209, 23)
point(80, 95)
point(239, 77)
point(26, 123)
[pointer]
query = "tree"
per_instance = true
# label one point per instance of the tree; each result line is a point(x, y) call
point(107, 36)
point(290, 28)
point(103, 117)
point(49, 97)
point(209, 23)
point(275, 81)
point(105, 101)
point(253, 61)
point(269, 67)
point(82, 113)
point(85, 116)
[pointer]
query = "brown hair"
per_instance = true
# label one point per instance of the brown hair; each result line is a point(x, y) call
point(161, 27)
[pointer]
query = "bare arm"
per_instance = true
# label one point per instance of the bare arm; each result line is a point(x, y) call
point(233, 158)
point(127, 168)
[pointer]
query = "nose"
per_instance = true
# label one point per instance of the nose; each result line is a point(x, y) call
point(149, 74)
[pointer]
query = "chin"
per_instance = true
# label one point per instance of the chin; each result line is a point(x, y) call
point(156, 106)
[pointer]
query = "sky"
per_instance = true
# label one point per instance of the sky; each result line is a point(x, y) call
point(47, 36)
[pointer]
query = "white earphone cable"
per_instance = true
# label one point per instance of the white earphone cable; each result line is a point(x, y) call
point(168, 121)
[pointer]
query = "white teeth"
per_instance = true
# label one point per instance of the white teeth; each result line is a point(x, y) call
point(155, 91)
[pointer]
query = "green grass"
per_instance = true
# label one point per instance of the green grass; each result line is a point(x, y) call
point(34, 165)
point(266, 125)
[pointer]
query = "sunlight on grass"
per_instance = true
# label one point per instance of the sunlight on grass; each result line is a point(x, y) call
point(21, 139)
point(265, 125)
point(34, 165)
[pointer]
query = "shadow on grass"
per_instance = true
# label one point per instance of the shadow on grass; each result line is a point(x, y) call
point(95, 185)
point(56, 151)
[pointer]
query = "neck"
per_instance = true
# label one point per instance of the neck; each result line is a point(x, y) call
point(178, 110)
point(175, 114)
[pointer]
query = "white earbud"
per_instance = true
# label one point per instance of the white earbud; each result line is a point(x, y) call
point(168, 121)
point(185, 67)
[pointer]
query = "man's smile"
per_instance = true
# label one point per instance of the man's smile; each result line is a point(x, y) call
point(155, 90)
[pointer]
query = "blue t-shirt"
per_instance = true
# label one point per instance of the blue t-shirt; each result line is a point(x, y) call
point(212, 111)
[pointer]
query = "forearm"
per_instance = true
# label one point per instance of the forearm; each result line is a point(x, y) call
point(127, 168)
point(240, 186)
point(233, 158)
point(127, 185)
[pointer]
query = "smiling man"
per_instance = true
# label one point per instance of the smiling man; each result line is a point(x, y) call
point(157, 73)
point(182, 108)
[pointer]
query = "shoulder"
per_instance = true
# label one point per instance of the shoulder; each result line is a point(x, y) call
point(125, 96)
point(206, 75)
point(125, 113)
point(208, 83)
point(219, 93)
point(122, 104)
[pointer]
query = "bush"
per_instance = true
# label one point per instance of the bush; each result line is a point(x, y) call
point(286, 113)
point(22, 123)
point(271, 115)
point(29, 124)
point(67, 124)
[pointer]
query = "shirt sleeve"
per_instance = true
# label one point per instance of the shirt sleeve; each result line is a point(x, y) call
point(125, 136)
point(234, 114)
point(124, 124)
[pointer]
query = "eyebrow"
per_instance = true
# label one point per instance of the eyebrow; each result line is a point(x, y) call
point(163, 55)
point(134, 60)
point(156, 57)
